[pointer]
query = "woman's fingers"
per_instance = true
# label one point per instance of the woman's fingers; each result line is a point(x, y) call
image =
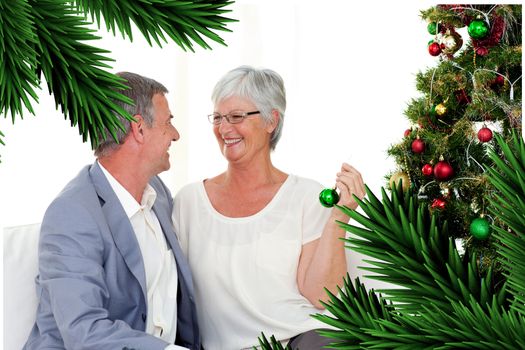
point(349, 182)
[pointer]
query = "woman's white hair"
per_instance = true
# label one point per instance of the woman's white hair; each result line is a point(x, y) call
point(264, 87)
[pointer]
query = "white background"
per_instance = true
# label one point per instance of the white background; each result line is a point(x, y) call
point(349, 68)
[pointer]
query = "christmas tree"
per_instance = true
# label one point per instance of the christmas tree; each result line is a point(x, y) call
point(450, 234)
point(467, 97)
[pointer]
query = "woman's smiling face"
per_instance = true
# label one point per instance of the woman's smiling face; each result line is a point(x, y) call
point(244, 140)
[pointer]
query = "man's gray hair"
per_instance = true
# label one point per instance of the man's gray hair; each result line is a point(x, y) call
point(141, 91)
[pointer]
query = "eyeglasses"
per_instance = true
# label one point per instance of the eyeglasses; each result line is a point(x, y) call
point(233, 117)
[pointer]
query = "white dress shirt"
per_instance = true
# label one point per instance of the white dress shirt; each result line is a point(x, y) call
point(159, 263)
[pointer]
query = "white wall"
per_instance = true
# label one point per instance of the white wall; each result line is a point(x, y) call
point(349, 69)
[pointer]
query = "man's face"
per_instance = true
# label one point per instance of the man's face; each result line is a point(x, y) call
point(158, 138)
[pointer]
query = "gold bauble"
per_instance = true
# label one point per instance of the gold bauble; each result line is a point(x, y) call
point(396, 177)
point(441, 109)
point(516, 113)
point(451, 43)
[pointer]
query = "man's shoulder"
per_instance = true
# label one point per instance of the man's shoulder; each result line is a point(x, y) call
point(79, 184)
point(77, 201)
point(78, 191)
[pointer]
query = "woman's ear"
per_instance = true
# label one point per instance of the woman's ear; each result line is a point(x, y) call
point(137, 128)
point(274, 121)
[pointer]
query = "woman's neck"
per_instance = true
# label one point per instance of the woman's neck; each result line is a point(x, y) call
point(252, 176)
point(244, 191)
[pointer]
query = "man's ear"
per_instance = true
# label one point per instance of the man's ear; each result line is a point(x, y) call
point(137, 128)
point(274, 122)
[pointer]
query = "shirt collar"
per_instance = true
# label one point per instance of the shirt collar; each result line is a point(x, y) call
point(130, 205)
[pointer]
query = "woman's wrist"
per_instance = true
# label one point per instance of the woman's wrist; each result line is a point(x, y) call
point(338, 214)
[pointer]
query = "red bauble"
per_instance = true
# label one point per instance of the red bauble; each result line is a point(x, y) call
point(407, 132)
point(418, 146)
point(434, 49)
point(499, 80)
point(427, 169)
point(443, 171)
point(439, 203)
point(482, 51)
point(462, 97)
point(484, 134)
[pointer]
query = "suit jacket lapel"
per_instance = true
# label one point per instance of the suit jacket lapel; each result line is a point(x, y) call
point(187, 329)
point(169, 233)
point(120, 227)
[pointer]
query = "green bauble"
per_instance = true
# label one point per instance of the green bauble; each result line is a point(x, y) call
point(433, 110)
point(480, 228)
point(328, 197)
point(478, 29)
point(432, 28)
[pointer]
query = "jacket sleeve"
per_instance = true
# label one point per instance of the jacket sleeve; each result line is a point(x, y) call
point(73, 285)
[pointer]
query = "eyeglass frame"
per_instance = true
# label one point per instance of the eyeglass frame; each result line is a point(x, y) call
point(227, 116)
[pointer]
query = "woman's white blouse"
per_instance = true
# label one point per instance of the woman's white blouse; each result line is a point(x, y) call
point(245, 269)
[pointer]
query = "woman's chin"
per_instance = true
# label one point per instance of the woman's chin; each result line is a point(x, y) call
point(232, 152)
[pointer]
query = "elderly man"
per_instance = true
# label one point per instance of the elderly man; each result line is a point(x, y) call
point(111, 272)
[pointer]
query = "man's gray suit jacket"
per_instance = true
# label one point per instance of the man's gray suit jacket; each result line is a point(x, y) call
point(91, 284)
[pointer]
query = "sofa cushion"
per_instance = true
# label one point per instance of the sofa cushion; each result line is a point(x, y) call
point(20, 270)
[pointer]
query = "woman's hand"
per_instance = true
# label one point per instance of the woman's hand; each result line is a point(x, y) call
point(349, 182)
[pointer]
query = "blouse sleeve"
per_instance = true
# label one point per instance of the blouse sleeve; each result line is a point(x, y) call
point(315, 216)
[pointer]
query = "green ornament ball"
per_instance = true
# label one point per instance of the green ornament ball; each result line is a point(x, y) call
point(433, 110)
point(480, 228)
point(328, 197)
point(432, 28)
point(478, 29)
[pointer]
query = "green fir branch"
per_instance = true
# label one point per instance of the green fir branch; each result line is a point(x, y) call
point(73, 71)
point(272, 344)
point(465, 327)
point(18, 61)
point(414, 251)
point(355, 313)
point(508, 177)
point(182, 21)
point(49, 37)
point(445, 302)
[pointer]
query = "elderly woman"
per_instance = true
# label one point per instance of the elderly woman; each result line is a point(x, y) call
point(260, 245)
